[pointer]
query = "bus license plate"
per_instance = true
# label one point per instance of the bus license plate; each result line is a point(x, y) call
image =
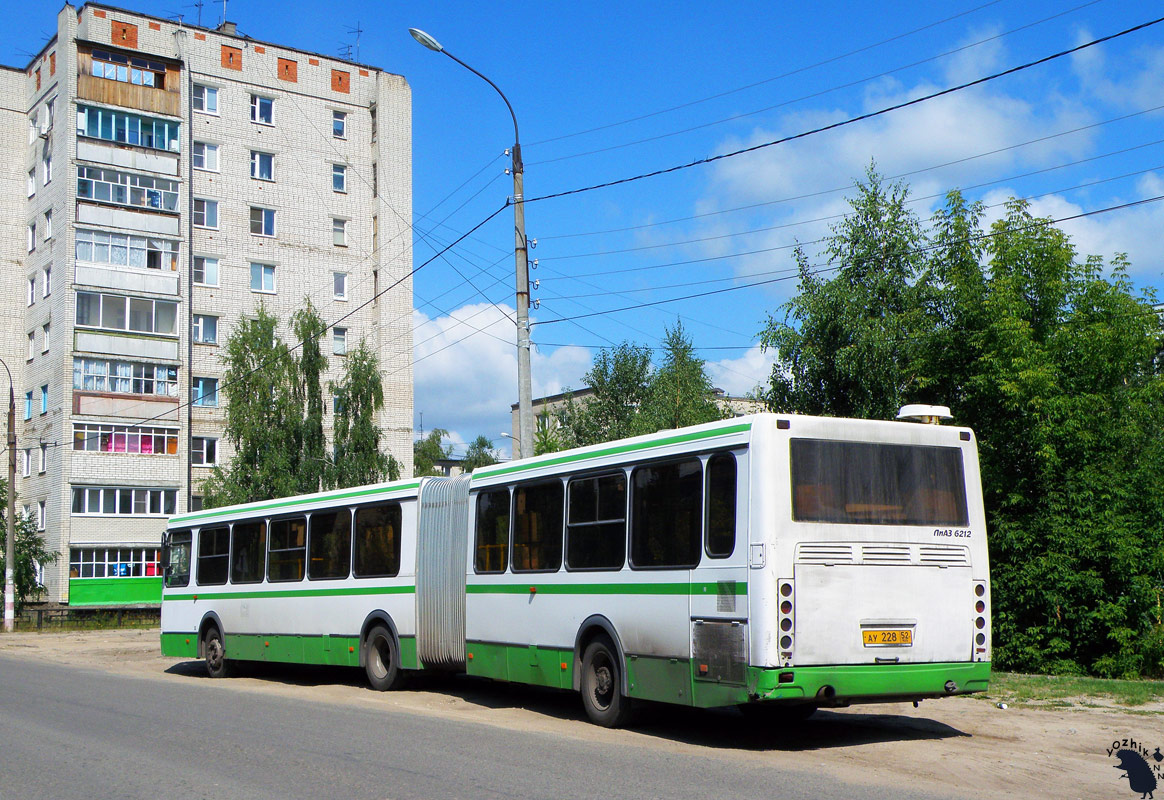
point(893, 638)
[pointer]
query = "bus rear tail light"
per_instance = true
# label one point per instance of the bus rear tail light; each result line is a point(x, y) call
point(980, 622)
point(786, 619)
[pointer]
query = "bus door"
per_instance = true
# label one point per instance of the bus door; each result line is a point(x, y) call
point(719, 584)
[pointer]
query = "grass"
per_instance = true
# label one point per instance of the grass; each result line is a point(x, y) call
point(1063, 691)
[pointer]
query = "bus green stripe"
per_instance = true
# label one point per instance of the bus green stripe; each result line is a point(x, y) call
point(732, 587)
point(291, 502)
point(612, 451)
point(283, 593)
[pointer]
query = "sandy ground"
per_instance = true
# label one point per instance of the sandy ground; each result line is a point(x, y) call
point(961, 746)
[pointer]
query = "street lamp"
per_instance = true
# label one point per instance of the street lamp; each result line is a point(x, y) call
point(10, 540)
point(525, 424)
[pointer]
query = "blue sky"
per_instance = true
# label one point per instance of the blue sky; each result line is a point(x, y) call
point(608, 91)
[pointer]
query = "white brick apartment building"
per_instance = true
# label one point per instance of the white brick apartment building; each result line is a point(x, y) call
point(157, 183)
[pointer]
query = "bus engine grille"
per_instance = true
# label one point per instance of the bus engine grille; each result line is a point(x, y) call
point(893, 554)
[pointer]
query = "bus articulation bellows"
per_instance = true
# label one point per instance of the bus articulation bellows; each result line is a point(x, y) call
point(776, 562)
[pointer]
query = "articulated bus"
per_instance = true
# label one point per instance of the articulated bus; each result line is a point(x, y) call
point(776, 562)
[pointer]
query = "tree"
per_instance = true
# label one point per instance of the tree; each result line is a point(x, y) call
point(31, 553)
point(429, 450)
point(1054, 361)
point(480, 453)
point(619, 378)
point(309, 328)
point(264, 417)
point(359, 395)
point(845, 344)
point(679, 392)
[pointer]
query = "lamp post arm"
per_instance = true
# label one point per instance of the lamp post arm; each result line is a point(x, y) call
point(517, 164)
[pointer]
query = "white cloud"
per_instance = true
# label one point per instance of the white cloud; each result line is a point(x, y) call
point(465, 371)
point(739, 376)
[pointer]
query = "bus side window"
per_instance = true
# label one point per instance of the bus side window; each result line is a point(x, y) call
point(178, 559)
point(213, 550)
point(492, 548)
point(287, 557)
point(666, 515)
point(537, 527)
point(721, 505)
point(249, 540)
point(377, 551)
point(329, 545)
point(596, 525)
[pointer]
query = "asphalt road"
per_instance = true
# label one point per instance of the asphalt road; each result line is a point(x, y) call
point(70, 732)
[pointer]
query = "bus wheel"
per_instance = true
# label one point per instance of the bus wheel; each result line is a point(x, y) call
point(381, 661)
point(215, 654)
point(602, 686)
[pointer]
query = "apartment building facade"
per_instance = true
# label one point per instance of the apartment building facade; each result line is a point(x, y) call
point(158, 183)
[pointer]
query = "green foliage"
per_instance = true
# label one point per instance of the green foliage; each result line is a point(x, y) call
point(631, 399)
point(429, 450)
point(359, 396)
point(31, 551)
point(274, 410)
point(480, 453)
point(547, 436)
point(1053, 362)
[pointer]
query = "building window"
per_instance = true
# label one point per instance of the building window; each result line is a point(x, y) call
point(372, 112)
point(124, 502)
point(119, 126)
point(205, 392)
point(339, 124)
point(48, 225)
point(124, 250)
point(32, 291)
point(262, 109)
point(31, 346)
point(31, 238)
point(339, 285)
point(339, 232)
point(339, 177)
point(48, 280)
point(138, 71)
point(205, 271)
point(44, 399)
point(375, 181)
point(25, 466)
point(46, 168)
point(43, 465)
point(126, 189)
point(205, 99)
point(124, 377)
point(262, 166)
point(50, 113)
point(112, 562)
point(205, 329)
point(339, 341)
point(135, 439)
point(262, 221)
point(205, 213)
point(203, 451)
point(206, 156)
point(44, 348)
point(40, 515)
point(32, 182)
point(120, 313)
point(28, 405)
point(263, 278)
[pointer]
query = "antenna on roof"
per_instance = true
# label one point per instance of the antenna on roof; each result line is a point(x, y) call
point(357, 31)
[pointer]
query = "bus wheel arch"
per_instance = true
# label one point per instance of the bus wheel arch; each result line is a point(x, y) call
point(380, 652)
point(209, 621)
point(595, 627)
point(211, 646)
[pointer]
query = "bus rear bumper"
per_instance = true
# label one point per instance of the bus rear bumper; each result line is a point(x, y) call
point(868, 683)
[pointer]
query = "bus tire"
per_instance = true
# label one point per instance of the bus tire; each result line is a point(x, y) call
point(382, 659)
point(601, 685)
point(215, 652)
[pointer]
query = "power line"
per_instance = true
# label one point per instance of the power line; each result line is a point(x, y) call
point(843, 123)
point(823, 269)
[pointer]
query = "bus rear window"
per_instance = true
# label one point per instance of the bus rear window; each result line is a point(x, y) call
point(864, 483)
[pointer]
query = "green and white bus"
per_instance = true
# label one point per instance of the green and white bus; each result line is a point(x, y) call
point(775, 562)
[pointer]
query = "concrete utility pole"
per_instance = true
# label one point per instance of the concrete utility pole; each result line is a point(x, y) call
point(10, 542)
point(525, 422)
